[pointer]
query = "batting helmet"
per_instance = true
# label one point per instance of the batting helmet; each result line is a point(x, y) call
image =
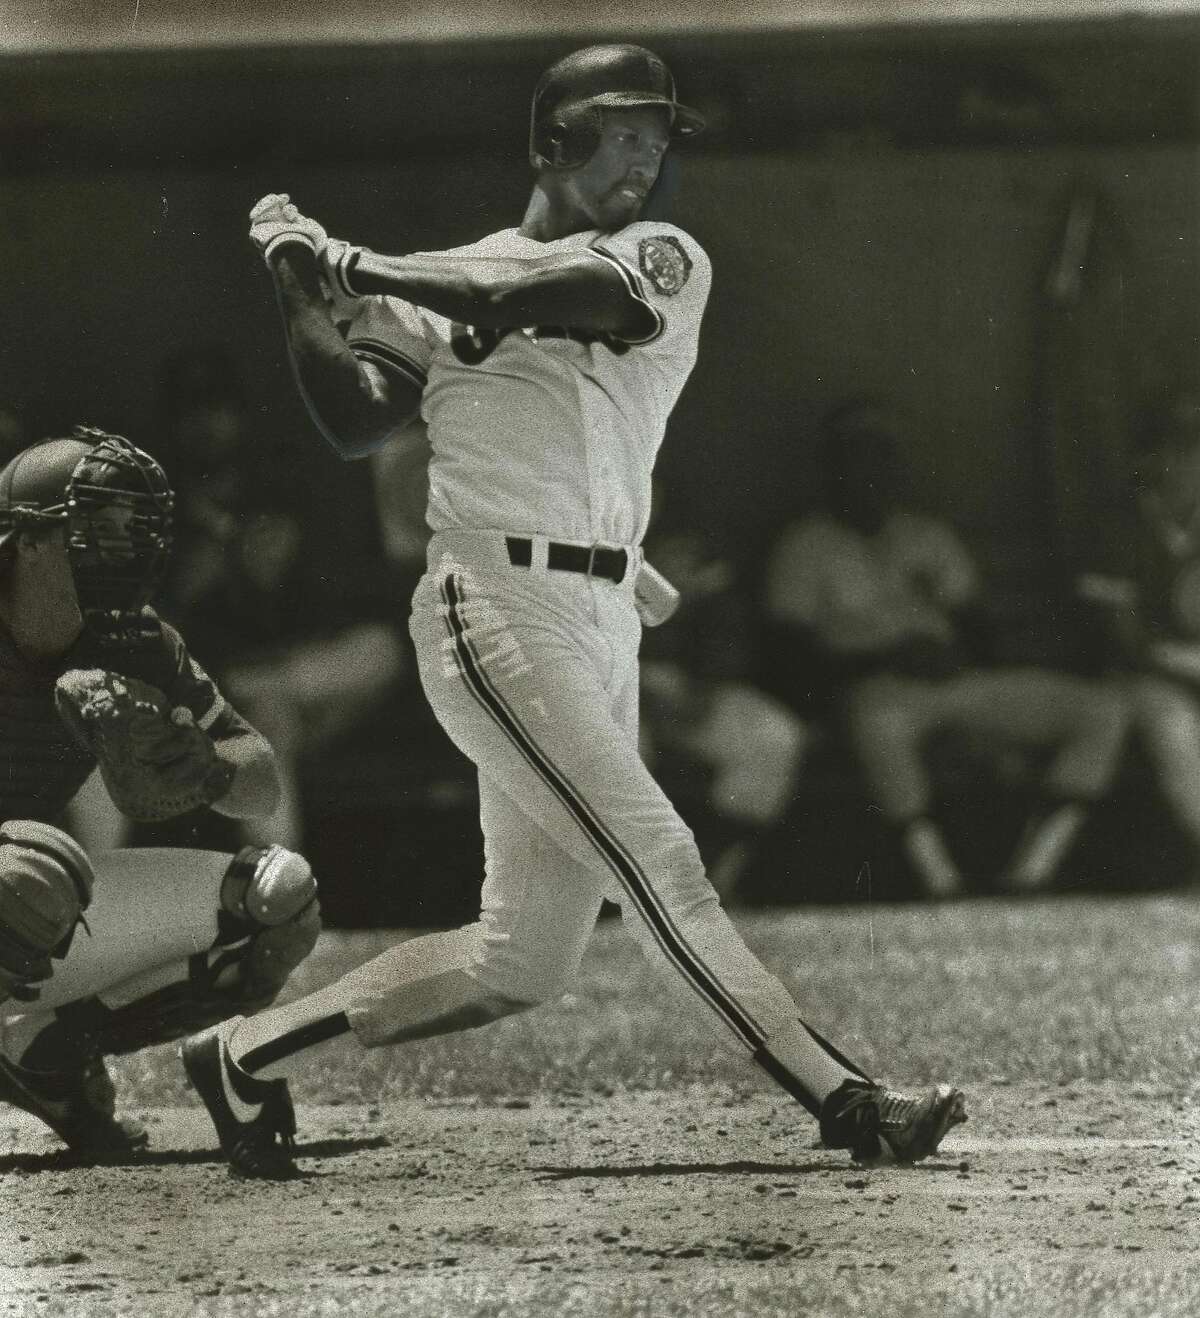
point(572, 95)
point(117, 562)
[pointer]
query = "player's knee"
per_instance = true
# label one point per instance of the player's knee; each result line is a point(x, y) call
point(509, 983)
point(678, 877)
point(270, 894)
point(267, 886)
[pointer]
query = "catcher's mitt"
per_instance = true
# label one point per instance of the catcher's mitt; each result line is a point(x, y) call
point(155, 762)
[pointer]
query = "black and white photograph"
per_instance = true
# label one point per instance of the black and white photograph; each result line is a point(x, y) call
point(600, 659)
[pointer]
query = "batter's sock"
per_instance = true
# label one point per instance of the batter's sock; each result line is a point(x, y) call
point(808, 1066)
point(256, 1059)
point(284, 1045)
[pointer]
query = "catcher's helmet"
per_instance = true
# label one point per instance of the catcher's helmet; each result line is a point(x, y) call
point(116, 504)
point(571, 96)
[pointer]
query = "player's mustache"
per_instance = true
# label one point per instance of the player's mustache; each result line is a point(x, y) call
point(639, 186)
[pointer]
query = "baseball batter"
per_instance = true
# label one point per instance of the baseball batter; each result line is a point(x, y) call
point(545, 361)
point(171, 940)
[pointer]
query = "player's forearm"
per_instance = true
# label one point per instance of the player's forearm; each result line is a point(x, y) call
point(255, 788)
point(344, 402)
point(574, 288)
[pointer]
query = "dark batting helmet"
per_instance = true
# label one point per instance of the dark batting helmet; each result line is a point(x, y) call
point(572, 95)
point(116, 505)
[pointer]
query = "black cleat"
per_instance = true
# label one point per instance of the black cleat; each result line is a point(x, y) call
point(261, 1147)
point(78, 1106)
point(882, 1125)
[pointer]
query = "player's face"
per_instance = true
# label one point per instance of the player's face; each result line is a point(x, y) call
point(611, 189)
point(109, 532)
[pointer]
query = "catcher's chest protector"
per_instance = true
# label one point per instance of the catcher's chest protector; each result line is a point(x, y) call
point(41, 764)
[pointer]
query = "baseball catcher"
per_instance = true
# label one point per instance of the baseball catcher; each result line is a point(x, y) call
point(107, 954)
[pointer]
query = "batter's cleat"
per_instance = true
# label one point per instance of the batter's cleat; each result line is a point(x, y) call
point(881, 1125)
point(78, 1106)
point(260, 1145)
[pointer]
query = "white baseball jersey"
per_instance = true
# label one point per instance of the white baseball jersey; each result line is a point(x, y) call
point(533, 672)
point(560, 439)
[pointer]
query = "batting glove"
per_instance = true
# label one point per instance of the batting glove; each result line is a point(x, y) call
point(335, 261)
point(275, 221)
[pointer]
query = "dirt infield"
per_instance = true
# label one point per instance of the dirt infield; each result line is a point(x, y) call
point(1063, 1199)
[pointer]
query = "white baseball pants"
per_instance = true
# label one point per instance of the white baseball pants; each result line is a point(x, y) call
point(534, 675)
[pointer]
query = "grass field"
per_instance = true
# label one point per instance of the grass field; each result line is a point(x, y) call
point(651, 1172)
point(1055, 990)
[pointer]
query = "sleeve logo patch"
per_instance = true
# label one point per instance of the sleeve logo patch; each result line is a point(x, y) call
point(664, 263)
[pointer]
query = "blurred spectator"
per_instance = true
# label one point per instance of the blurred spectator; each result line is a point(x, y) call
point(1154, 612)
point(726, 752)
point(878, 624)
point(303, 639)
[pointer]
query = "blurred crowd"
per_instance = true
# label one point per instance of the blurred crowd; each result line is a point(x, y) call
point(852, 713)
point(872, 716)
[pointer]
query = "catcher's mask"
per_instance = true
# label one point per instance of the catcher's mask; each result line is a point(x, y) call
point(569, 101)
point(116, 505)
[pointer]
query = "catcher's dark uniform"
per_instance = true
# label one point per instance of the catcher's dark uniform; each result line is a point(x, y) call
point(42, 766)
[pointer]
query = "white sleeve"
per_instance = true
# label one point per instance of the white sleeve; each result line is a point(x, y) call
point(392, 334)
point(667, 271)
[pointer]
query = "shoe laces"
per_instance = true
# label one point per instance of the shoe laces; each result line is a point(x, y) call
point(870, 1108)
point(896, 1110)
point(859, 1106)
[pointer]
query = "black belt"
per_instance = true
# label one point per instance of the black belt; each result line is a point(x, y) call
point(592, 561)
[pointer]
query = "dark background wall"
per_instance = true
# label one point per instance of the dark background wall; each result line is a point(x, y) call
point(881, 208)
point(883, 205)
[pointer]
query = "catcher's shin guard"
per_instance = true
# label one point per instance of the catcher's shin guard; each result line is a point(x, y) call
point(268, 923)
point(269, 894)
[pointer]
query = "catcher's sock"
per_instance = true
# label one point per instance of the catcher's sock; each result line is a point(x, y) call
point(50, 1049)
point(61, 1040)
point(155, 1006)
point(20, 1032)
